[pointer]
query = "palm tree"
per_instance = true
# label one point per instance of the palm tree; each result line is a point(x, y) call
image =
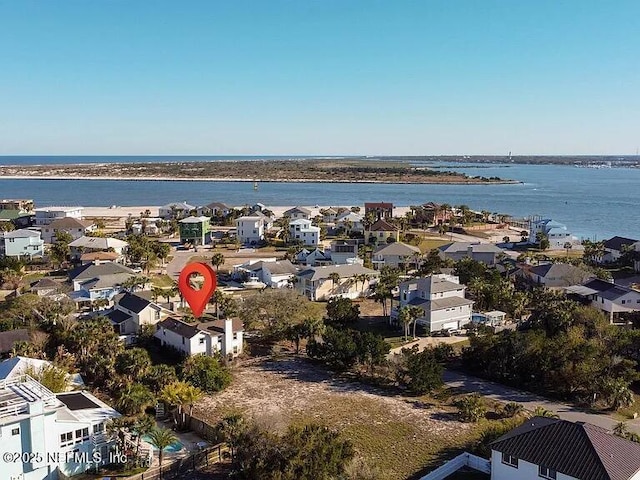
point(409, 314)
point(190, 396)
point(134, 399)
point(216, 260)
point(621, 430)
point(143, 425)
point(335, 278)
point(543, 412)
point(568, 246)
point(161, 438)
point(117, 429)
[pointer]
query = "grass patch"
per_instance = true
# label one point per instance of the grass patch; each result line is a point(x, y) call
point(428, 244)
point(162, 281)
point(626, 413)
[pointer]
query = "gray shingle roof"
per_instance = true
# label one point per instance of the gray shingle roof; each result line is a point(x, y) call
point(8, 338)
point(579, 450)
point(616, 243)
point(90, 271)
point(397, 248)
point(463, 247)
point(179, 327)
point(133, 302)
point(345, 271)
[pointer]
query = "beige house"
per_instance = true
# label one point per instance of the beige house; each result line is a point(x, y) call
point(320, 283)
point(132, 311)
point(396, 255)
point(382, 232)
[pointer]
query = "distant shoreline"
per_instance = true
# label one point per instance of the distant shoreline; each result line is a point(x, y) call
point(471, 181)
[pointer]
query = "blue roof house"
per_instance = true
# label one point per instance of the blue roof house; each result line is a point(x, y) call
point(556, 232)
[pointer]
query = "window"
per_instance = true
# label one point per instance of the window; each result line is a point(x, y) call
point(546, 472)
point(85, 432)
point(235, 335)
point(201, 340)
point(15, 431)
point(99, 428)
point(66, 439)
point(509, 460)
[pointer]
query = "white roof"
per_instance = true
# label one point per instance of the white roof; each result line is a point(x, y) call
point(300, 221)
point(178, 205)
point(194, 219)
point(57, 208)
point(22, 233)
point(15, 366)
point(102, 243)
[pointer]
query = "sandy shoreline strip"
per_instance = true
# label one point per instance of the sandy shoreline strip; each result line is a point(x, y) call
point(245, 180)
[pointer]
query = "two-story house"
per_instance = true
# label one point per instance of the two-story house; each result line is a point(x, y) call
point(297, 213)
point(554, 449)
point(303, 232)
point(46, 215)
point(325, 282)
point(441, 298)
point(381, 232)
point(214, 209)
point(396, 255)
point(486, 253)
point(555, 275)
point(224, 336)
point(96, 282)
point(344, 251)
point(175, 210)
point(195, 230)
point(608, 297)
point(556, 232)
point(271, 273)
point(379, 210)
point(350, 222)
point(75, 227)
point(60, 434)
point(85, 244)
point(250, 229)
point(21, 243)
point(131, 311)
point(614, 248)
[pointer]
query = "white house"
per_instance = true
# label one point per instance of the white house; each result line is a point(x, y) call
point(344, 252)
point(272, 273)
point(441, 298)
point(250, 229)
point(352, 281)
point(147, 226)
point(611, 298)
point(614, 248)
point(46, 215)
point(554, 449)
point(97, 244)
point(175, 210)
point(556, 232)
point(313, 258)
point(209, 338)
point(21, 243)
point(63, 434)
point(555, 275)
point(73, 226)
point(302, 231)
point(350, 222)
point(131, 311)
point(297, 213)
point(396, 255)
point(16, 366)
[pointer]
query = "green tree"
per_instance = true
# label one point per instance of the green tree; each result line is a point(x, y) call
point(217, 260)
point(543, 412)
point(419, 371)
point(372, 349)
point(134, 399)
point(143, 425)
point(133, 363)
point(342, 312)
point(205, 373)
point(52, 377)
point(471, 408)
point(337, 349)
point(408, 315)
point(158, 376)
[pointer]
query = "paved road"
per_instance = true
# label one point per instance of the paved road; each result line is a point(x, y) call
point(530, 401)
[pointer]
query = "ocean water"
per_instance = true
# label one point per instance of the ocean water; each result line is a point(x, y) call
point(593, 203)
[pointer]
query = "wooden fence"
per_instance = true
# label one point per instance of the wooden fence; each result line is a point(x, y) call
point(179, 468)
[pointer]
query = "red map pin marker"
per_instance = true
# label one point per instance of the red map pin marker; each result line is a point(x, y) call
point(197, 299)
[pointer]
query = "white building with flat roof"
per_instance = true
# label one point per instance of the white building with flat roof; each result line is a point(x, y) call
point(57, 434)
point(46, 215)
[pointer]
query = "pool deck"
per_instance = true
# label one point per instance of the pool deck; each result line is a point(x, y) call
point(190, 441)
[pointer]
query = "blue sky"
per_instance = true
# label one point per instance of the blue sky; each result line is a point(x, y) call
point(319, 77)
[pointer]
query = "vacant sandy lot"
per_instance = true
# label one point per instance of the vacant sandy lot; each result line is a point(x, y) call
point(400, 435)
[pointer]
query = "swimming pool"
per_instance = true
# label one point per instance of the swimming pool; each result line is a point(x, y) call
point(173, 448)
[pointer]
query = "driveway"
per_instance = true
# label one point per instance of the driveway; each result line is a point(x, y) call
point(530, 401)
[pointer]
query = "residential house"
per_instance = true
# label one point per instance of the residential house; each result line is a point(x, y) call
point(131, 311)
point(435, 214)
point(486, 253)
point(344, 252)
point(9, 338)
point(297, 213)
point(379, 210)
point(18, 218)
point(329, 215)
point(147, 226)
point(612, 299)
point(350, 222)
point(46, 287)
point(313, 258)
point(84, 245)
point(272, 273)
point(382, 232)
point(99, 257)
point(554, 449)
point(442, 299)
point(556, 232)
point(17, 366)
point(67, 430)
point(303, 232)
point(73, 226)
point(98, 282)
point(250, 229)
point(396, 255)
point(46, 215)
point(214, 209)
point(210, 338)
point(615, 246)
point(316, 283)
point(175, 210)
point(555, 275)
point(21, 243)
point(20, 204)
point(195, 230)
